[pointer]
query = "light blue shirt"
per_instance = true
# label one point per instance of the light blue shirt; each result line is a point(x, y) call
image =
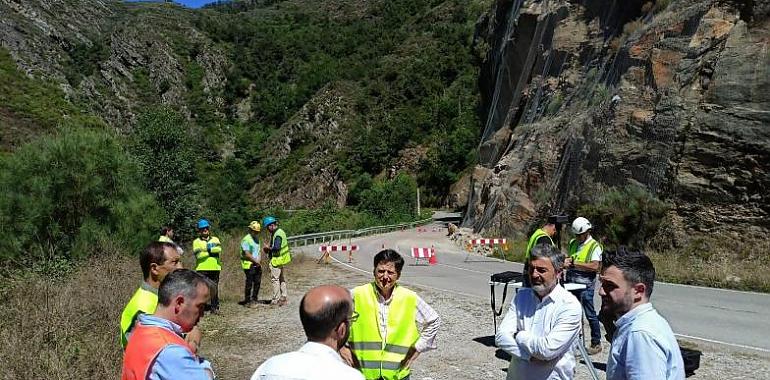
point(249, 244)
point(644, 348)
point(174, 361)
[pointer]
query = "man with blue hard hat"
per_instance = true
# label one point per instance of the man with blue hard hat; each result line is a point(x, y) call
point(207, 250)
point(280, 256)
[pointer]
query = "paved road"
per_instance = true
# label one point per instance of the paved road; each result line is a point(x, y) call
point(721, 316)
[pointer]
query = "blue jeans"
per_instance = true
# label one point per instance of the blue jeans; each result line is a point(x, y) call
point(586, 297)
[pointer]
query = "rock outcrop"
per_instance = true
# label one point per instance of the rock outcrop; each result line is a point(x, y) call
point(583, 96)
point(307, 144)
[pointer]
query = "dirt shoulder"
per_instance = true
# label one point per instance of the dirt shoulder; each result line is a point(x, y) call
point(240, 339)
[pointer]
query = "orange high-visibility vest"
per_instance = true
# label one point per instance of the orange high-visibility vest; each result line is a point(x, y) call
point(144, 346)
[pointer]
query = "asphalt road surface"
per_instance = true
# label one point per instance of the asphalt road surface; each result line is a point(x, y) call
point(733, 318)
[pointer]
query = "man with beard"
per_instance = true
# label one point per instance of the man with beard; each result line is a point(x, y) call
point(326, 313)
point(157, 349)
point(643, 346)
point(542, 323)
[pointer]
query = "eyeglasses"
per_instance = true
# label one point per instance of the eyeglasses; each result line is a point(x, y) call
point(353, 317)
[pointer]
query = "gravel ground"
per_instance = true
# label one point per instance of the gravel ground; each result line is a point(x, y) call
point(240, 339)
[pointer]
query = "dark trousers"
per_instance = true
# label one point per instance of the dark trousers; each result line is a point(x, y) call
point(253, 281)
point(213, 275)
point(586, 297)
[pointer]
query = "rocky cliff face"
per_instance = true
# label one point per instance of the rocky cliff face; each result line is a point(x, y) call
point(583, 96)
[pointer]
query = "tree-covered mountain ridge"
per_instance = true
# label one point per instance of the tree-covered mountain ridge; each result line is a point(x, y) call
point(247, 106)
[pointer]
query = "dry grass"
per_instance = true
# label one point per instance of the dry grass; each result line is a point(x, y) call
point(724, 263)
point(66, 329)
point(69, 328)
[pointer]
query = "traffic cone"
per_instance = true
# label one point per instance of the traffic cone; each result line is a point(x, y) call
point(433, 260)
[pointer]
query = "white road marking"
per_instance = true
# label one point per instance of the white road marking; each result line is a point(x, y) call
point(724, 343)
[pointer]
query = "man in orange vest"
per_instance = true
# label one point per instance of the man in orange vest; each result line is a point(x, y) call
point(157, 349)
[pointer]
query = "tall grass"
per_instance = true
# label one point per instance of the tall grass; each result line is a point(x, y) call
point(66, 328)
point(716, 262)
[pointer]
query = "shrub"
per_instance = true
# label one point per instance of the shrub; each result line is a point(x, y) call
point(628, 216)
point(390, 201)
point(71, 194)
point(166, 154)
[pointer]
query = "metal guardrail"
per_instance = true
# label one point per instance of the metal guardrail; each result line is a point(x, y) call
point(322, 237)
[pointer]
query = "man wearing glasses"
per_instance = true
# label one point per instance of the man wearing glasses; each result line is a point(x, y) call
point(326, 313)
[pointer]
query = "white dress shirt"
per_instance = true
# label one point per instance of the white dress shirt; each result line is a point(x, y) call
point(427, 319)
point(545, 331)
point(314, 361)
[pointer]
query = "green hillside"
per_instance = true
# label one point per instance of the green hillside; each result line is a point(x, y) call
point(195, 127)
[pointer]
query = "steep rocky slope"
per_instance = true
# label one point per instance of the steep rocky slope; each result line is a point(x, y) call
point(584, 96)
point(115, 56)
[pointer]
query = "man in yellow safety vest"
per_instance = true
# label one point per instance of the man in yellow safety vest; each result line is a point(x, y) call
point(280, 256)
point(387, 349)
point(156, 260)
point(251, 264)
point(167, 236)
point(584, 257)
point(207, 250)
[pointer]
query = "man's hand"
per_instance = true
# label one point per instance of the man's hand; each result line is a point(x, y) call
point(411, 355)
point(193, 339)
point(347, 356)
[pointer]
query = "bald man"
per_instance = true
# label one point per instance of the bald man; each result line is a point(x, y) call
point(326, 313)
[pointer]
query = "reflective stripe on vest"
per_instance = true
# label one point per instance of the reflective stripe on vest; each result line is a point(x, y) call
point(284, 255)
point(253, 247)
point(584, 255)
point(146, 343)
point(202, 257)
point(533, 240)
point(144, 300)
point(380, 359)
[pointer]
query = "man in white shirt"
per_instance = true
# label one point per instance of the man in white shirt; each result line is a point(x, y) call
point(395, 327)
point(326, 313)
point(542, 323)
point(643, 346)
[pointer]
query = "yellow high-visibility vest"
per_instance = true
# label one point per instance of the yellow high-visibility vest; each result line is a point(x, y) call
point(165, 239)
point(253, 251)
point(380, 358)
point(284, 255)
point(202, 257)
point(584, 255)
point(144, 300)
point(533, 240)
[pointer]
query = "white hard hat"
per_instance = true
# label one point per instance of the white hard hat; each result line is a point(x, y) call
point(580, 225)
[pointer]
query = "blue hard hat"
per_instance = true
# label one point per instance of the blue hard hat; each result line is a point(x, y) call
point(203, 223)
point(268, 220)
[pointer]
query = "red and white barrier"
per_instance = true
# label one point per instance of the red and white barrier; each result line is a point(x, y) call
point(488, 241)
point(423, 253)
point(327, 249)
point(422, 229)
point(337, 248)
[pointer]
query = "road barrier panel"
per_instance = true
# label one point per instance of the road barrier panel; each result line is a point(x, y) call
point(485, 242)
point(423, 254)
